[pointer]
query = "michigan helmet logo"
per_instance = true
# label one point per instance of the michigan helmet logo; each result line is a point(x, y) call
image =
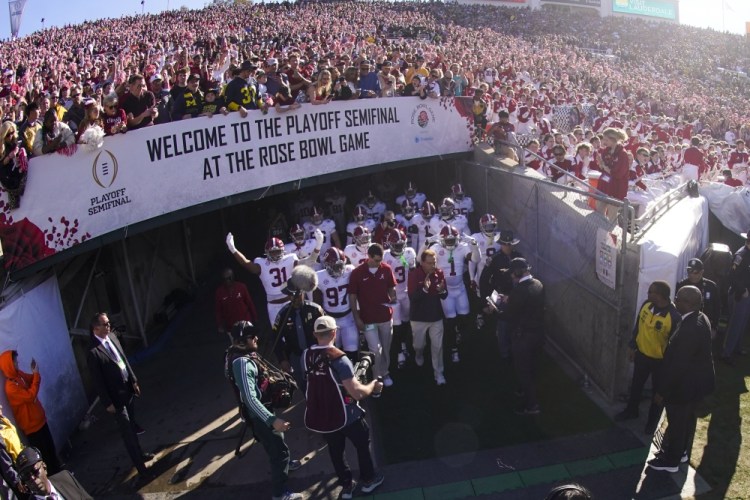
point(104, 169)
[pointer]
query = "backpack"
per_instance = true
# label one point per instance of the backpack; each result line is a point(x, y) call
point(276, 386)
point(325, 409)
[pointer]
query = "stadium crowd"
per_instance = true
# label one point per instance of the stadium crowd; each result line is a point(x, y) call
point(676, 81)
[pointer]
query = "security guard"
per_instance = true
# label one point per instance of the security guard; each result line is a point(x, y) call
point(709, 291)
point(294, 327)
point(657, 320)
point(739, 280)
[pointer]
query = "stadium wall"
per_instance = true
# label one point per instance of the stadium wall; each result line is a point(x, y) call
point(586, 319)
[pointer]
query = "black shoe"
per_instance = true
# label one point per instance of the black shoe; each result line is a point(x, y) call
point(626, 415)
point(147, 457)
point(294, 465)
point(659, 463)
point(139, 430)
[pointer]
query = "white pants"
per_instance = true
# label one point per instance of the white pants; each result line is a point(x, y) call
point(401, 310)
point(419, 330)
point(347, 336)
point(379, 336)
point(457, 302)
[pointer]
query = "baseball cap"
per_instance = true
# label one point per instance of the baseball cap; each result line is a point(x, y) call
point(157, 76)
point(248, 66)
point(324, 324)
point(271, 61)
point(27, 459)
point(695, 265)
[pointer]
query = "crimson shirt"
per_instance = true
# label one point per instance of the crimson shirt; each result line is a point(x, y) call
point(232, 304)
point(372, 292)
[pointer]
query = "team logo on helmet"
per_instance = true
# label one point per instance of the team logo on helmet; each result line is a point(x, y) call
point(396, 241)
point(361, 236)
point(297, 233)
point(447, 208)
point(428, 210)
point(274, 249)
point(334, 261)
point(449, 237)
point(488, 224)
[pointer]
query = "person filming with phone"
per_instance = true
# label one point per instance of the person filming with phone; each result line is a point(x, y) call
point(22, 391)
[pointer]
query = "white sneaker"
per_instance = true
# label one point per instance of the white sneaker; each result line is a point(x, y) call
point(440, 379)
point(454, 356)
point(387, 381)
point(419, 359)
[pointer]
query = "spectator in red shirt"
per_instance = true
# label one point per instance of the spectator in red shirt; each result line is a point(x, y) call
point(372, 287)
point(729, 180)
point(232, 303)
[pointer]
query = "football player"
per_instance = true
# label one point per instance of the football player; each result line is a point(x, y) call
point(274, 269)
point(375, 207)
point(406, 219)
point(326, 226)
point(487, 240)
point(357, 251)
point(359, 219)
point(453, 250)
point(411, 195)
point(402, 259)
point(332, 294)
point(449, 217)
point(464, 205)
point(302, 247)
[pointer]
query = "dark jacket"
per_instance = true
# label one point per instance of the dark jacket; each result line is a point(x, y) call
point(106, 375)
point(711, 298)
point(493, 276)
point(68, 486)
point(288, 343)
point(524, 311)
point(688, 366)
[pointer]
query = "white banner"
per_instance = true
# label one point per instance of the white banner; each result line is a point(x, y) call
point(146, 173)
point(16, 13)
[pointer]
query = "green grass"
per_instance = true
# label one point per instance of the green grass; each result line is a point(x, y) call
point(474, 411)
point(718, 452)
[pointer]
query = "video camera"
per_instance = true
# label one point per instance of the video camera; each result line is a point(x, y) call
point(363, 367)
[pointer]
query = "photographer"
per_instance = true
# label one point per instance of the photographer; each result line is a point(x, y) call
point(243, 370)
point(333, 395)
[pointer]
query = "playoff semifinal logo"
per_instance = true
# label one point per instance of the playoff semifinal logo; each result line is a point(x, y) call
point(104, 169)
point(422, 116)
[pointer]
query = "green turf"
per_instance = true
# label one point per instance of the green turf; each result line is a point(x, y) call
point(474, 411)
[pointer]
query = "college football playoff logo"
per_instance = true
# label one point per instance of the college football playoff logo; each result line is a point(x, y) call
point(104, 169)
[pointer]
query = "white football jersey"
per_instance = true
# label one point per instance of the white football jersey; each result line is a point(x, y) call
point(377, 210)
point(412, 238)
point(401, 270)
point(424, 227)
point(335, 290)
point(487, 248)
point(274, 275)
point(303, 253)
point(419, 199)
point(327, 227)
point(355, 255)
point(457, 221)
point(302, 208)
point(453, 263)
point(464, 207)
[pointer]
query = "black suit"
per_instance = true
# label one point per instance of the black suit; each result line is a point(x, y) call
point(687, 377)
point(524, 313)
point(118, 390)
point(67, 486)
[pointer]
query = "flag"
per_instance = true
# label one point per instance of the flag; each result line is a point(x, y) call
point(16, 12)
